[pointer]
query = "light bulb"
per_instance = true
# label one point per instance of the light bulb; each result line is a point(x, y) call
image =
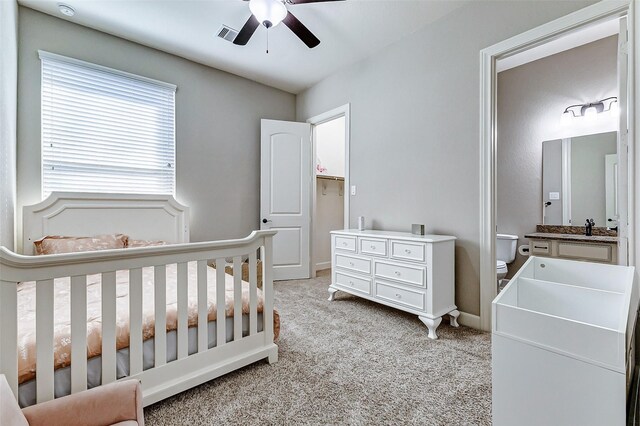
point(268, 12)
point(614, 110)
point(590, 113)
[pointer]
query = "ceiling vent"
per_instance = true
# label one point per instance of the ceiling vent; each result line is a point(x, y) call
point(227, 33)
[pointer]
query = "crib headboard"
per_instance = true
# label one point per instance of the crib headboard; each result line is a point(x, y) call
point(143, 217)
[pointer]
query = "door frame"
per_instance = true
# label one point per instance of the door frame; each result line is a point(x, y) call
point(341, 111)
point(488, 129)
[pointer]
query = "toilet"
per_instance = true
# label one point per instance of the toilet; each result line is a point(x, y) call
point(505, 253)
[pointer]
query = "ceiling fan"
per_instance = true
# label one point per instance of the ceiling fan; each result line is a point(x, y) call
point(270, 13)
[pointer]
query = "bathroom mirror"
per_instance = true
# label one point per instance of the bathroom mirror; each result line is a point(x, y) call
point(579, 180)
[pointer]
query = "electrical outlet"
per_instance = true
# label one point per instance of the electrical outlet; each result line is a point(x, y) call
point(353, 190)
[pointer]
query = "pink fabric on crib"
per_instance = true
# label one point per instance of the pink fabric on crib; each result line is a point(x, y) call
point(56, 244)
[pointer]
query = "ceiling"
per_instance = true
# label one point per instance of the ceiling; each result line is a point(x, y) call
point(349, 31)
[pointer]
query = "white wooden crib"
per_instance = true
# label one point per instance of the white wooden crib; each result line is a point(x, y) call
point(147, 217)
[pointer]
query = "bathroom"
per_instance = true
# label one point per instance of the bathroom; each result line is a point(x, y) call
point(556, 168)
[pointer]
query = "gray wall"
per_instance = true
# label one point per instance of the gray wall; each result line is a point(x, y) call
point(217, 122)
point(8, 102)
point(329, 217)
point(588, 177)
point(415, 126)
point(531, 99)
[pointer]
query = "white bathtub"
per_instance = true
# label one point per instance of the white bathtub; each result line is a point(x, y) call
point(562, 340)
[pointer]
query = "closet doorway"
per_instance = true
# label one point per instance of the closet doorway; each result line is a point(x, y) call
point(330, 198)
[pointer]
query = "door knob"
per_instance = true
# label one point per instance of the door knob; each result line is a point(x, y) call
point(265, 221)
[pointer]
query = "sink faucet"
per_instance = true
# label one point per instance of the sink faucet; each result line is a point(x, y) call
point(589, 227)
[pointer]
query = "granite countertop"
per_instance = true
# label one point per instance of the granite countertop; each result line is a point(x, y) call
point(572, 237)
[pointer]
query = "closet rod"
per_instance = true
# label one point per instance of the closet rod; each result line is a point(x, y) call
point(330, 177)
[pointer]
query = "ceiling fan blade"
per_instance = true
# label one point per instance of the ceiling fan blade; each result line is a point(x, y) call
point(301, 31)
point(309, 1)
point(247, 31)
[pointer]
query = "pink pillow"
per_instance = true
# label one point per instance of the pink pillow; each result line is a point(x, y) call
point(55, 244)
point(145, 243)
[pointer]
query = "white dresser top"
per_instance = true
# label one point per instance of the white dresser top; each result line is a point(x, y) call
point(396, 235)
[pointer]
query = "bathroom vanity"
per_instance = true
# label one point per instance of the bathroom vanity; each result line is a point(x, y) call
point(557, 361)
point(566, 243)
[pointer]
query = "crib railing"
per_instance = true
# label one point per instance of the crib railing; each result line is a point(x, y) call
point(164, 379)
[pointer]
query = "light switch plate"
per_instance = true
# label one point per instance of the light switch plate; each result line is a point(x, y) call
point(554, 195)
point(353, 190)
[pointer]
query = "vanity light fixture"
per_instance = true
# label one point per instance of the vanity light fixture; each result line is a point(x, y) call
point(591, 110)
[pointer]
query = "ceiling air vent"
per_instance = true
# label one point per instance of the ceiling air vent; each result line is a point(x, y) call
point(227, 33)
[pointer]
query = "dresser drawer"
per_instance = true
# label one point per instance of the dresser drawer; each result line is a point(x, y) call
point(408, 251)
point(399, 295)
point(360, 284)
point(345, 243)
point(414, 275)
point(353, 263)
point(373, 246)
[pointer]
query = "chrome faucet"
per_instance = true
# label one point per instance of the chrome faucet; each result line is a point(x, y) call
point(589, 227)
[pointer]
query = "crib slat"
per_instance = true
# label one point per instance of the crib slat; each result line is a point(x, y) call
point(44, 340)
point(9, 333)
point(135, 321)
point(253, 293)
point(267, 288)
point(160, 297)
point(78, 333)
point(108, 327)
point(203, 304)
point(221, 318)
point(237, 298)
point(183, 319)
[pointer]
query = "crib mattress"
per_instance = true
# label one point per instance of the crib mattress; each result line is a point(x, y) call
point(62, 330)
point(62, 376)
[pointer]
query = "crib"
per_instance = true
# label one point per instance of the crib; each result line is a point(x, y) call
point(145, 217)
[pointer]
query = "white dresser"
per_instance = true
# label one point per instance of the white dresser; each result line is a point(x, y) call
point(414, 273)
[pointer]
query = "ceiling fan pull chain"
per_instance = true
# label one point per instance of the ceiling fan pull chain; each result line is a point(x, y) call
point(267, 41)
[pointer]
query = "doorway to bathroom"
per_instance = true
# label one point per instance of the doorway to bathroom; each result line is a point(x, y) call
point(330, 209)
point(533, 108)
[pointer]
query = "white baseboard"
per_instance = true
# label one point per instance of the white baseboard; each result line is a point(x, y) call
point(469, 320)
point(320, 266)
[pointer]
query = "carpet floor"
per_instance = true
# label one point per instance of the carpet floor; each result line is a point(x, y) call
point(349, 361)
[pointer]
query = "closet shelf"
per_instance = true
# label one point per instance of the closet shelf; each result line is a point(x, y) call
point(327, 177)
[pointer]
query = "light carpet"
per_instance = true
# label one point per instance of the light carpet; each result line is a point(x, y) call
point(349, 361)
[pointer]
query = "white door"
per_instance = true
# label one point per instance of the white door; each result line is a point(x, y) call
point(622, 193)
point(285, 195)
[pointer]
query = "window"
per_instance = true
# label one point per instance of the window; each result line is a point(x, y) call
point(104, 130)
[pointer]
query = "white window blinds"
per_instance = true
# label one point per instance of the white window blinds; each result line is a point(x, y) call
point(104, 130)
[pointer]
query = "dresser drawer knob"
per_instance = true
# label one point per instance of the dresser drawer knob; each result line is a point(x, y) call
point(344, 243)
point(407, 251)
point(373, 247)
point(351, 263)
point(398, 296)
point(351, 283)
point(398, 273)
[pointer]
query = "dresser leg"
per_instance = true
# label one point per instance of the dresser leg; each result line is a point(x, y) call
point(453, 318)
point(332, 294)
point(432, 325)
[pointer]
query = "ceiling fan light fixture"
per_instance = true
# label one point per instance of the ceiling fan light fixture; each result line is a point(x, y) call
point(268, 12)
